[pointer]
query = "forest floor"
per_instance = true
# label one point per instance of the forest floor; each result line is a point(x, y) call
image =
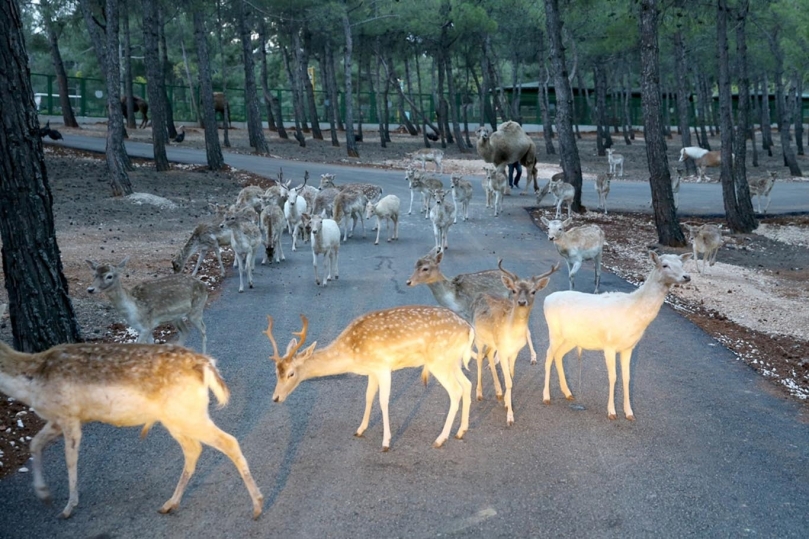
point(753, 300)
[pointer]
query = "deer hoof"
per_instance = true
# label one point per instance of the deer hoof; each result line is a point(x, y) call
point(500, 398)
point(570, 397)
point(385, 448)
point(612, 416)
point(546, 401)
point(630, 417)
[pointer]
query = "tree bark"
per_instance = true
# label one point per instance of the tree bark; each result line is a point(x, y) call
point(129, 90)
point(68, 117)
point(766, 120)
point(297, 104)
point(222, 56)
point(41, 313)
point(165, 70)
point(351, 143)
point(668, 228)
point(564, 102)
point(683, 104)
point(545, 112)
point(332, 104)
point(603, 127)
point(265, 89)
point(155, 89)
point(702, 103)
point(308, 85)
point(745, 217)
point(213, 151)
point(453, 112)
point(254, 124)
point(783, 109)
point(797, 84)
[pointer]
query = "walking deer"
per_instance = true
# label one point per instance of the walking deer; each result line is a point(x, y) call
point(702, 158)
point(124, 385)
point(562, 192)
point(271, 224)
point(325, 240)
point(614, 160)
point(458, 294)
point(387, 209)
point(705, 239)
point(762, 187)
point(245, 240)
point(603, 189)
point(147, 305)
point(612, 322)
point(576, 245)
point(204, 238)
point(380, 342)
point(461, 196)
point(432, 155)
point(294, 207)
point(349, 205)
point(501, 325)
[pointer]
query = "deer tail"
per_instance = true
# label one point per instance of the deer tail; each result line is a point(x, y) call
point(213, 380)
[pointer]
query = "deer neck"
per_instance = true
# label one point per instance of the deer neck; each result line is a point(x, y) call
point(447, 295)
point(649, 297)
point(329, 361)
point(18, 373)
point(123, 301)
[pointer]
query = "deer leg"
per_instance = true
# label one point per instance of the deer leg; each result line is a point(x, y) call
point(314, 263)
point(498, 390)
point(334, 255)
point(555, 355)
point(191, 451)
point(571, 271)
point(609, 356)
point(227, 444)
point(531, 346)
point(384, 398)
point(410, 211)
point(241, 270)
point(446, 377)
point(49, 433)
point(200, 255)
point(466, 400)
point(72, 432)
point(597, 268)
point(626, 358)
point(251, 263)
point(218, 253)
point(370, 393)
point(479, 356)
point(396, 227)
point(505, 365)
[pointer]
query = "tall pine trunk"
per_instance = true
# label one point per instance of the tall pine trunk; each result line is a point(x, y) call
point(745, 217)
point(155, 89)
point(68, 117)
point(213, 151)
point(40, 308)
point(165, 69)
point(297, 102)
point(683, 103)
point(265, 89)
point(351, 143)
point(128, 84)
point(255, 129)
point(545, 112)
point(308, 85)
point(668, 228)
point(117, 158)
point(453, 111)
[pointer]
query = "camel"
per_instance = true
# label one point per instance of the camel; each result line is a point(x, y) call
point(507, 145)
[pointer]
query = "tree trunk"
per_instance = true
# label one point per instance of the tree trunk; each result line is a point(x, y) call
point(128, 85)
point(297, 104)
point(797, 84)
point(166, 72)
point(117, 158)
point(702, 103)
point(669, 232)
point(212, 149)
point(453, 111)
point(41, 313)
point(626, 96)
point(226, 113)
point(326, 66)
point(783, 109)
point(494, 81)
point(376, 80)
point(308, 86)
point(564, 99)
point(68, 117)
point(155, 89)
point(766, 120)
point(683, 104)
point(265, 89)
point(255, 129)
point(351, 143)
point(745, 217)
point(733, 214)
point(545, 112)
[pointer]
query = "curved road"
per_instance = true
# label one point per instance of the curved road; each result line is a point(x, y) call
point(713, 451)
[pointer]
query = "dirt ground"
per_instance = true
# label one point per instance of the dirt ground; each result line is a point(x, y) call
point(752, 301)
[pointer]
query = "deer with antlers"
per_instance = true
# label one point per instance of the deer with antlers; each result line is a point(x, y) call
point(380, 342)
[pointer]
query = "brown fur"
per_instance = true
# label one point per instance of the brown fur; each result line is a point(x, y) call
point(140, 106)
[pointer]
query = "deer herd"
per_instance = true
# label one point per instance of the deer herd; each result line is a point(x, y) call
point(481, 315)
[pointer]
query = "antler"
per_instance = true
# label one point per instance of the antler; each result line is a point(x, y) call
point(268, 333)
point(301, 334)
point(500, 265)
point(553, 269)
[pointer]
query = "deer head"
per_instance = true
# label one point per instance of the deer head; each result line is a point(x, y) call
point(287, 367)
point(524, 290)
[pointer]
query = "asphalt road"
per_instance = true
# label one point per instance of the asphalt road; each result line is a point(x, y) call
point(713, 452)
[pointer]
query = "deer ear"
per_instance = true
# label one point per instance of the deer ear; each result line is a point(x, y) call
point(508, 282)
point(541, 283)
point(655, 258)
point(308, 351)
point(686, 257)
point(291, 346)
point(439, 256)
point(567, 222)
point(545, 221)
point(92, 264)
point(123, 263)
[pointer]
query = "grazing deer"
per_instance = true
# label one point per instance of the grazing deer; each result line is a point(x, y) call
point(613, 322)
point(442, 215)
point(271, 224)
point(124, 385)
point(432, 155)
point(614, 160)
point(576, 245)
point(204, 238)
point(245, 240)
point(603, 189)
point(762, 187)
point(562, 192)
point(461, 195)
point(147, 305)
point(705, 239)
point(387, 209)
point(501, 325)
point(458, 294)
point(380, 342)
point(325, 240)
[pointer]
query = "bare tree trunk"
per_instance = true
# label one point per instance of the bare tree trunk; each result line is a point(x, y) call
point(545, 112)
point(226, 112)
point(683, 104)
point(213, 151)
point(745, 217)
point(254, 123)
point(766, 121)
point(68, 117)
point(302, 54)
point(351, 144)
point(456, 127)
point(117, 158)
point(668, 228)
point(155, 88)
point(626, 96)
point(702, 105)
point(326, 66)
point(736, 219)
point(564, 98)
point(40, 308)
point(603, 139)
point(376, 84)
point(783, 109)
point(265, 89)
point(297, 104)
point(797, 85)
point(166, 72)
point(128, 84)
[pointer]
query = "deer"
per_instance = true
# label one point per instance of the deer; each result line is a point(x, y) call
point(562, 192)
point(245, 240)
point(271, 225)
point(498, 183)
point(349, 204)
point(377, 343)
point(147, 305)
point(387, 209)
point(461, 195)
point(124, 385)
point(294, 207)
point(501, 325)
point(603, 189)
point(432, 155)
point(418, 183)
point(762, 187)
point(251, 196)
point(486, 184)
point(614, 160)
point(325, 240)
point(705, 239)
point(576, 245)
point(204, 238)
point(371, 191)
point(442, 215)
point(613, 322)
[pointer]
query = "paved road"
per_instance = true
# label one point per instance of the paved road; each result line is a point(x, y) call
point(713, 451)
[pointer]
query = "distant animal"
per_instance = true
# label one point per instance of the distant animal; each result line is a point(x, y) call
point(388, 209)
point(46, 131)
point(705, 239)
point(761, 188)
point(576, 245)
point(563, 193)
point(614, 160)
point(431, 136)
point(124, 385)
point(603, 189)
point(429, 154)
point(461, 195)
point(508, 144)
point(325, 240)
point(181, 135)
point(702, 158)
point(442, 214)
point(139, 105)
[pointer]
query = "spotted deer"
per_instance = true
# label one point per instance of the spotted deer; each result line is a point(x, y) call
point(145, 306)
point(576, 245)
point(761, 188)
point(380, 342)
point(245, 240)
point(125, 385)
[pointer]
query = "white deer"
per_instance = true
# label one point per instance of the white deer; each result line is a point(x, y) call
point(380, 342)
point(387, 209)
point(294, 207)
point(124, 385)
point(145, 306)
point(612, 322)
point(325, 240)
point(614, 160)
